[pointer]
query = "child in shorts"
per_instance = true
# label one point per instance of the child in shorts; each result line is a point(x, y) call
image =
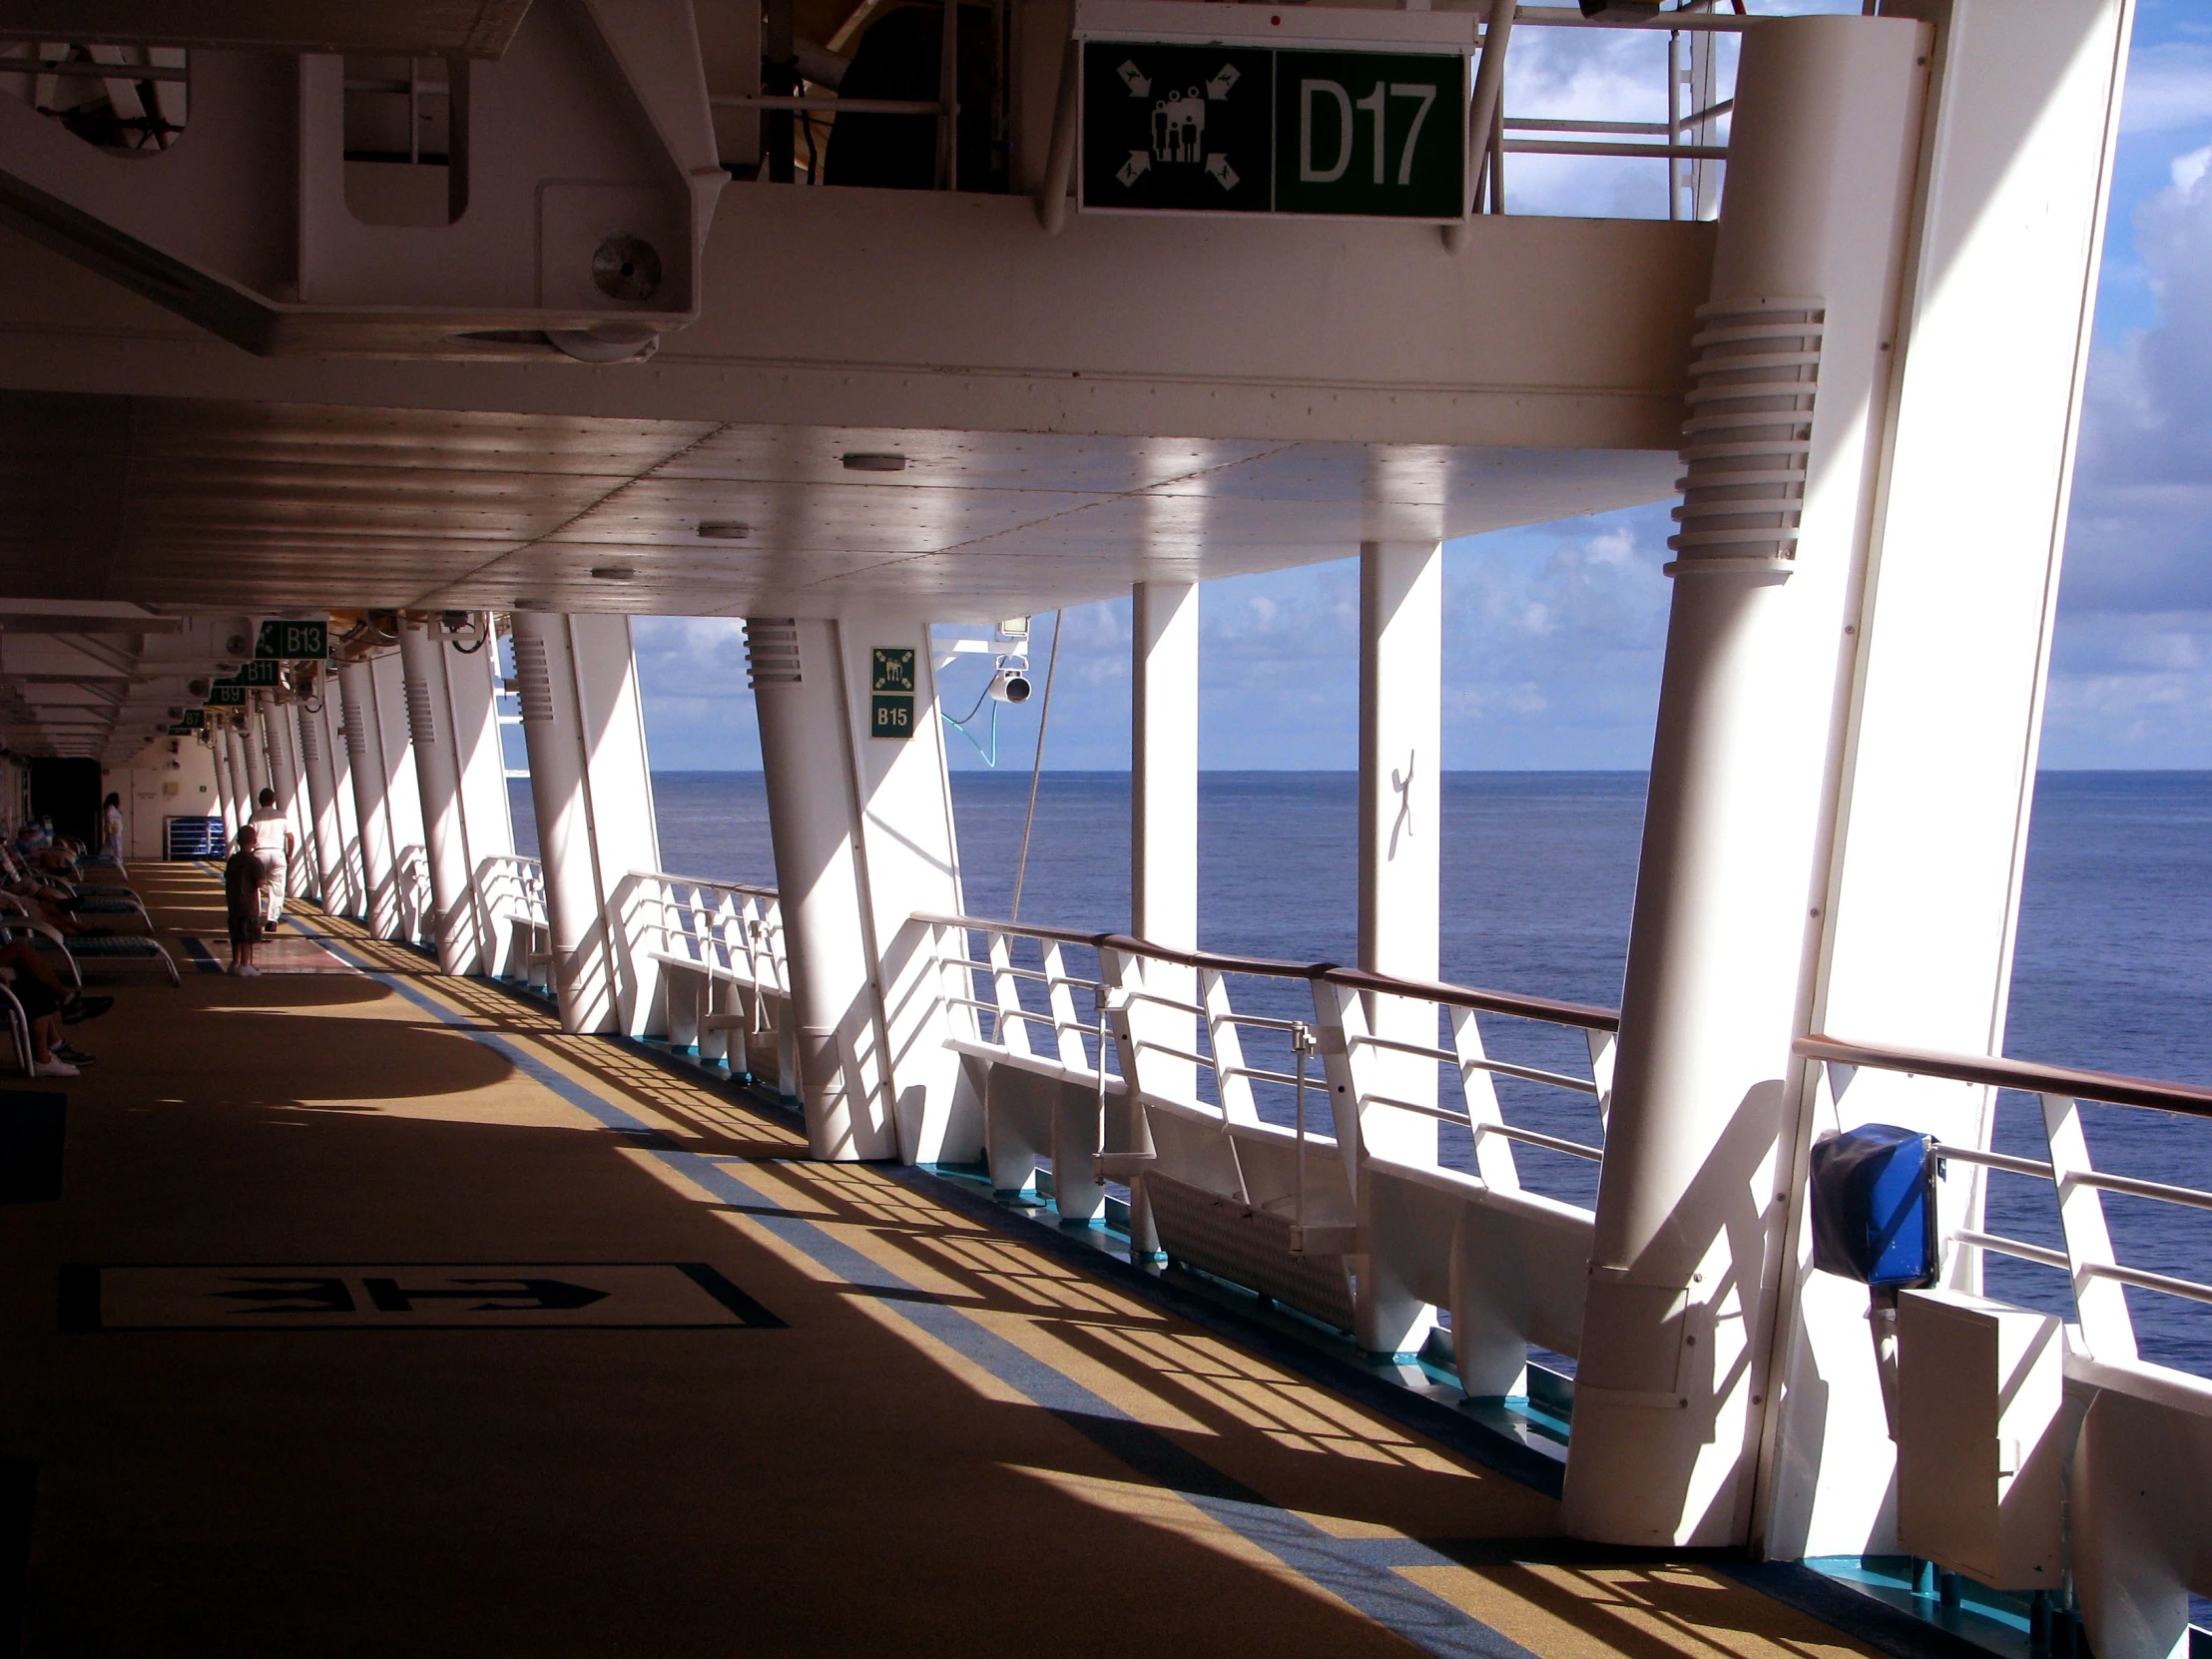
point(244, 877)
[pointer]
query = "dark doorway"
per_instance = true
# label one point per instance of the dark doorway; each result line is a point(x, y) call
point(68, 791)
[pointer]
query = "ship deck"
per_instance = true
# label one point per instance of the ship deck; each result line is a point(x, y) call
point(308, 1359)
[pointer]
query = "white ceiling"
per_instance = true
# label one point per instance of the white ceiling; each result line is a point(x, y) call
point(203, 505)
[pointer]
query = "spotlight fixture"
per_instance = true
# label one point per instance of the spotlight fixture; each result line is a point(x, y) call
point(1010, 685)
point(613, 573)
point(724, 529)
point(874, 460)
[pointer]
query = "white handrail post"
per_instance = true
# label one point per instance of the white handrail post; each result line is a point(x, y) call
point(1232, 1087)
point(2106, 1325)
point(1129, 1132)
point(1012, 1031)
point(1493, 1154)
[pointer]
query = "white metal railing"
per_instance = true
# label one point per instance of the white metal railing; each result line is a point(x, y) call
point(1048, 1027)
point(418, 906)
point(1229, 1086)
point(718, 948)
point(510, 900)
point(2099, 1278)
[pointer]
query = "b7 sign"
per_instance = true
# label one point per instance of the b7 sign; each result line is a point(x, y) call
point(1337, 132)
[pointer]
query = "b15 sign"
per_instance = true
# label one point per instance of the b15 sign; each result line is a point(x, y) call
point(1334, 114)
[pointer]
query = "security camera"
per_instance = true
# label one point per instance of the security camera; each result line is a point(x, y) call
point(1010, 685)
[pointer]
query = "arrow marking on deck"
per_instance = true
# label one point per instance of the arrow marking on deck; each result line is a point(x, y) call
point(536, 1294)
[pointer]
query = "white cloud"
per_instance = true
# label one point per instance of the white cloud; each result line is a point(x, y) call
point(2169, 86)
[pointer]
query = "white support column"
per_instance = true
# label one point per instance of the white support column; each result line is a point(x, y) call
point(286, 777)
point(472, 691)
point(226, 797)
point(255, 731)
point(241, 772)
point(1401, 782)
point(438, 777)
point(402, 793)
point(552, 731)
point(1931, 824)
point(333, 723)
point(364, 753)
point(618, 782)
point(1163, 843)
point(806, 755)
point(1674, 1371)
point(328, 840)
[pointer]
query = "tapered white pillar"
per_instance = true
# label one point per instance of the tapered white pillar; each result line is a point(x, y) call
point(283, 778)
point(618, 781)
point(226, 794)
point(332, 720)
point(364, 749)
point(472, 699)
point(552, 733)
point(438, 777)
point(242, 772)
point(255, 732)
point(1400, 792)
point(1163, 783)
point(1163, 845)
point(1674, 1373)
point(807, 763)
point(327, 839)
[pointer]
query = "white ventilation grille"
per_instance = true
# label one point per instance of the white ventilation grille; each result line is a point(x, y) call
point(420, 726)
point(772, 651)
point(1748, 433)
point(357, 733)
point(533, 680)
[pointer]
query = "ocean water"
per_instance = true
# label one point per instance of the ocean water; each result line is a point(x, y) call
point(2113, 968)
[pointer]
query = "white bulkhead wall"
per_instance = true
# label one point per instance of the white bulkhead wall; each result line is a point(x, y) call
point(170, 778)
point(1923, 892)
point(1673, 1375)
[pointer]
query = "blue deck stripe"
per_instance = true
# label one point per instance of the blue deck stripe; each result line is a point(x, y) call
point(1355, 1569)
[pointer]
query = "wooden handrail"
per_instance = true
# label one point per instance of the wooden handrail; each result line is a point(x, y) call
point(1997, 1072)
point(1451, 996)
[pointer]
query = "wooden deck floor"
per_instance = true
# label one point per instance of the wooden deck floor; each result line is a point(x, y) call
point(324, 1396)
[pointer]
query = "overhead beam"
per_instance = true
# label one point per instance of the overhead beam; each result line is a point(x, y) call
point(62, 622)
point(422, 29)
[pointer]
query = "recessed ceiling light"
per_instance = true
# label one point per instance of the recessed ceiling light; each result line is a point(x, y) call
point(724, 529)
point(522, 604)
point(874, 460)
point(613, 573)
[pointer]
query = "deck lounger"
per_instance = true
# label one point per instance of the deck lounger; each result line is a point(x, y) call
point(117, 950)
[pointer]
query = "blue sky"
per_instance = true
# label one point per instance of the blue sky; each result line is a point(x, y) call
point(1554, 631)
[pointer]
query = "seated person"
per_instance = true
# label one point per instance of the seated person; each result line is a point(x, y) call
point(48, 1004)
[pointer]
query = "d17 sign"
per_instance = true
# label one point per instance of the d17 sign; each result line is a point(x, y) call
point(1371, 134)
point(1340, 134)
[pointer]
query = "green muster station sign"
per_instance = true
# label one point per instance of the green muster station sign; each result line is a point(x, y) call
point(1371, 128)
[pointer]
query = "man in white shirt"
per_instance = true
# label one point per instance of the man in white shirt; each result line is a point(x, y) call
point(273, 828)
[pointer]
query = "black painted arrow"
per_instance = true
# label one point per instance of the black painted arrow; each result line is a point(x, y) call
point(391, 1297)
